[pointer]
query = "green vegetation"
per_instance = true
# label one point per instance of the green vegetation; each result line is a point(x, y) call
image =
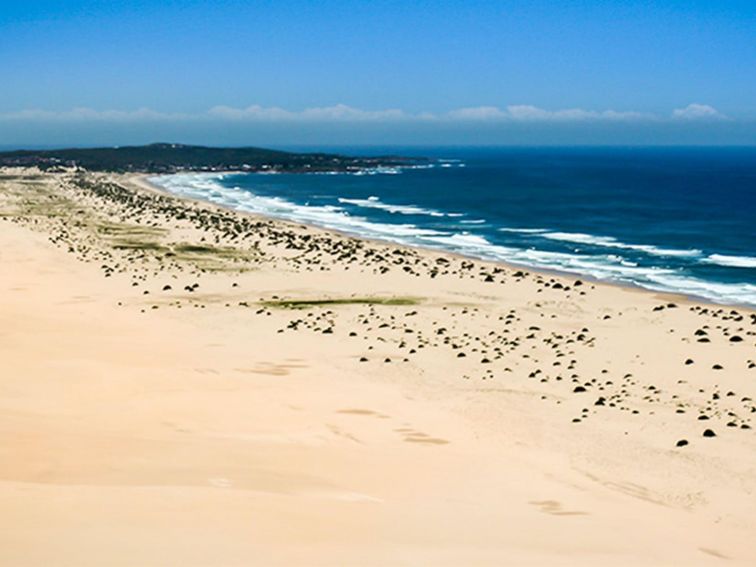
point(169, 158)
point(121, 230)
point(305, 303)
point(132, 237)
point(37, 200)
point(197, 249)
point(214, 258)
point(127, 244)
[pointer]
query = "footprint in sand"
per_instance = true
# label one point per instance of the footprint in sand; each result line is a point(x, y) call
point(366, 412)
point(712, 552)
point(554, 508)
point(271, 369)
point(419, 437)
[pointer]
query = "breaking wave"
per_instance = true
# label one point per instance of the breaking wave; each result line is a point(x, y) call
point(731, 261)
point(610, 242)
point(375, 203)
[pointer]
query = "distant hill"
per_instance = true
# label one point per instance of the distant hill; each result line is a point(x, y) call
point(170, 158)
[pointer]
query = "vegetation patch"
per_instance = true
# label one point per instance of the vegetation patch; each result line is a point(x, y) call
point(131, 231)
point(169, 158)
point(214, 258)
point(306, 303)
point(205, 252)
point(144, 245)
point(196, 249)
point(45, 209)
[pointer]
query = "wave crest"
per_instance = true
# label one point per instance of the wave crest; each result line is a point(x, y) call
point(731, 261)
point(373, 202)
point(611, 242)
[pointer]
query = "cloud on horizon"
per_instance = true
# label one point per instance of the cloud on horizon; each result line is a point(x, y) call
point(698, 112)
point(521, 113)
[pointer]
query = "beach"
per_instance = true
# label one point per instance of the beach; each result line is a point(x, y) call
point(185, 384)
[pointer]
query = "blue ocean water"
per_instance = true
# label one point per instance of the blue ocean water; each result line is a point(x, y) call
point(668, 219)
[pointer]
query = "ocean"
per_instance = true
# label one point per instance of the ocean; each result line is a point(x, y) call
point(680, 220)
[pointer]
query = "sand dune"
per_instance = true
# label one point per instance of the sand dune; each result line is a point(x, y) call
point(183, 385)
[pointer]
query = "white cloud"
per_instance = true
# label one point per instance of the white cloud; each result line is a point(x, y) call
point(527, 112)
point(339, 112)
point(477, 113)
point(343, 112)
point(88, 114)
point(519, 113)
point(698, 112)
point(254, 112)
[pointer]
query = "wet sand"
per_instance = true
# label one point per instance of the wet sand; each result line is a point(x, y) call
point(187, 385)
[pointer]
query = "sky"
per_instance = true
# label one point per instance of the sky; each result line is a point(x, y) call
point(474, 72)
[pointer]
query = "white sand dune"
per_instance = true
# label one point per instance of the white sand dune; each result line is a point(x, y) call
point(149, 426)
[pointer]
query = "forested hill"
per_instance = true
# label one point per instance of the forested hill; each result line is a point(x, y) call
point(168, 158)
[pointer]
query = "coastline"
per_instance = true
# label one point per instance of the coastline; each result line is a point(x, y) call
point(315, 398)
point(142, 180)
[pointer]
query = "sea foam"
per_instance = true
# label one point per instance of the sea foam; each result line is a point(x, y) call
point(731, 261)
point(523, 230)
point(206, 187)
point(611, 242)
point(373, 202)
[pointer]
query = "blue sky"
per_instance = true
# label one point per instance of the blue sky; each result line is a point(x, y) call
point(337, 72)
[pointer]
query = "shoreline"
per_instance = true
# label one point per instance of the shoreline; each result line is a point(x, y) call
point(186, 384)
point(142, 180)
